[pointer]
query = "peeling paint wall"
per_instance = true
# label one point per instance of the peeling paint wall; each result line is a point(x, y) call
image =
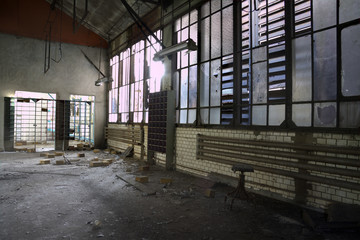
point(22, 68)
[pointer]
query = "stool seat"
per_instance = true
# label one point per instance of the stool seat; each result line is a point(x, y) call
point(242, 168)
point(239, 192)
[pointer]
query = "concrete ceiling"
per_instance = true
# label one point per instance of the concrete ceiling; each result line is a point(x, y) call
point(107, 18)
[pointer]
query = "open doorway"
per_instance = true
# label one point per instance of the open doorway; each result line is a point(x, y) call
point(34, 121)
point(82, 110)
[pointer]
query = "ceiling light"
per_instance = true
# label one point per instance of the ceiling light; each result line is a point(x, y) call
point(185, 45)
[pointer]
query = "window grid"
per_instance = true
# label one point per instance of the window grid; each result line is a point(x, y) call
point(135, 74)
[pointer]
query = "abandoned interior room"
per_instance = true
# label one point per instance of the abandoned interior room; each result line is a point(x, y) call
point(180, 119)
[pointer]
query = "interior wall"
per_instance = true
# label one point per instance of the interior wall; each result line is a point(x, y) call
point(22, 68)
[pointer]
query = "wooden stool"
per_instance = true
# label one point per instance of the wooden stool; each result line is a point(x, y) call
point(239, 192)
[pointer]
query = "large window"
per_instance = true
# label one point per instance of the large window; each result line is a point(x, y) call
point(186, 75)
point(135, 74)
point(326, 82)
point(273, 63)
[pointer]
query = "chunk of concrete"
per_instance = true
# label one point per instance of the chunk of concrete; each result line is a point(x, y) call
point(59, 153)
point(96, 150)
point(166, 180)
point(59, 162)
point(50, 155)
point(144, 168)
point(98, 164)
point(142, 179)
point(210, 193)
point(45, 161)
point(81, 154)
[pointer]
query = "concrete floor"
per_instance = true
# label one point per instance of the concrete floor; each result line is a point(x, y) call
point(78, 202)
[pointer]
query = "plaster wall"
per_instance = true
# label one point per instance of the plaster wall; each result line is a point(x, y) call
point(22, 68)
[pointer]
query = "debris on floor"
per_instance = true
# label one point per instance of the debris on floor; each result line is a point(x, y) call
point(45, 161)
point(142, 179)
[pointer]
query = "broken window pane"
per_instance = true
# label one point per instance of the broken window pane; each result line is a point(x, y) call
point(301, 114)
point(214, 115)
point(325, 65)
point(227, 31)
point(349, 10)
point(204, 84)
point(259, 80)
point(205, 39)
point(183, 116)
point(204, 114)
point(301, 81)
point(350, 114)
point(193, 36)
point(276, 114)
point(350, 56)
point(215, 35)
point(325, 114)
point(184, 88)
point(259, 115)
point(215, 87)
point(324, 13)
point(192, 86)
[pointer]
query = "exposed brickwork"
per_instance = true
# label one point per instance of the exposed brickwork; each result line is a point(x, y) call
point(319, 196)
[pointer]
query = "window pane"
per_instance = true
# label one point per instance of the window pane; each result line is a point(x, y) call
point(192, 86)
point(193, 16)
point(205, 9)
point(350, 114)
point(193, 36)
point(324, 13)
point(204, 85)
point(259, 115)
point(192, 116)
point(325, 115)
point(259, 77)
point(349, 10)
point(185, 20)
point(184, 88)
point(276, 114)
point(215, 87)
point(183, 116)
point(205, 39)
point(214, 115)
point(325, 65)
point(215, 5)
point(301, 115)
point(259, 54)
point(302, 87)
point(227, 31)
point(350, 56)
point(215, 35)
point(204, 114)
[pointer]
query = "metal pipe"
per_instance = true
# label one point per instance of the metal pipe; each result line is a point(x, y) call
point(296, 165)
point(332, 149)
point(294, 155)
point(311, 178)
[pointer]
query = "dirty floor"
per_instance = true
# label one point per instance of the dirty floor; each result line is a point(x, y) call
point(77, 202)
